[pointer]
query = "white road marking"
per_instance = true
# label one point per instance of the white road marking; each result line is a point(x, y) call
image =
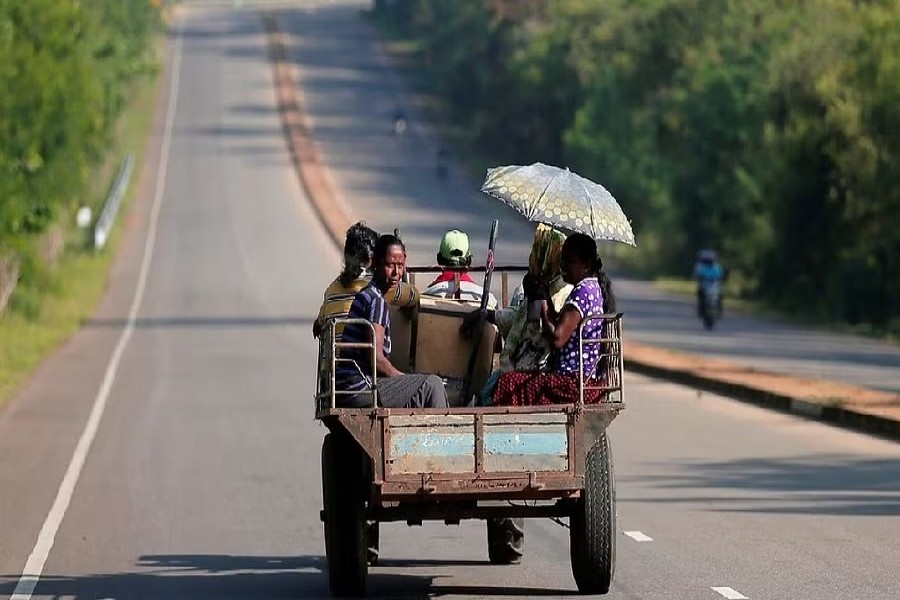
point(729, 593)
point(639, 536)
point(34, 567)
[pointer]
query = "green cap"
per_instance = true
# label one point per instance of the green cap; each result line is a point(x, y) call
point(454, 247)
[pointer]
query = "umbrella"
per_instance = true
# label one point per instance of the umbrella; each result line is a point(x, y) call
point(560, 198)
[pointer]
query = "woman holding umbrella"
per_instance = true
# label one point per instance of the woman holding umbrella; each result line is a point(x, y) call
point(591, 295)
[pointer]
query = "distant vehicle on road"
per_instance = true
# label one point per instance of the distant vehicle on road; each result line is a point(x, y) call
point(400, 122)
point(709, 275)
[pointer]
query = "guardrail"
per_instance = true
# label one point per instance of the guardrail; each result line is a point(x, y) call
point(111, 207)
point(9, 277)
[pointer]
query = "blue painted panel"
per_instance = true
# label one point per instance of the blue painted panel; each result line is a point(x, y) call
point(529, 444)
point(432, 444)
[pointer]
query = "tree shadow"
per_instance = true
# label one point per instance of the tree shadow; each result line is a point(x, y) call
point(208, 576)
point(202, 322)
point(827, 485)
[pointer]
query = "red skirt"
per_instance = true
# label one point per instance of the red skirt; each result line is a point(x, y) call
point(522, 388)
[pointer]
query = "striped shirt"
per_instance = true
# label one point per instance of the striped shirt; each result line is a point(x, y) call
point(370, 305)
point(338, 298)
point(468, 290)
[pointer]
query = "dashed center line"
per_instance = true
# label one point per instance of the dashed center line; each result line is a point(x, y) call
point(639, 537)
point(730, 593)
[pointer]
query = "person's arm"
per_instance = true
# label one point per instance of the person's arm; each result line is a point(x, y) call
point(471, 320)
point(403, 295)
point(558, 330)
point(319, 323)
point(379, 317)
point(382, 363)
point(504, 319)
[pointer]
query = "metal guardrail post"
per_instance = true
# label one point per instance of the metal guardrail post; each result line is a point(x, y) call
point(113, 201)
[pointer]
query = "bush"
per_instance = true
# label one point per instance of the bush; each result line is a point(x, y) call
point(65, 66)
point(762, 128)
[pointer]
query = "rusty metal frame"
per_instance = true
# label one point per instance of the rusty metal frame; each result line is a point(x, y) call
point(328, 351)
point(371, 430)
point(456, 511)
point(611, 334)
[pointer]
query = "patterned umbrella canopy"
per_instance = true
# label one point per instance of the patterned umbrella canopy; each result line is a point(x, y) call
point(560, 198)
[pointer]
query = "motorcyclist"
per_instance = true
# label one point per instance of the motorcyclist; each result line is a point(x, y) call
point(708, 272)
point(400, 122)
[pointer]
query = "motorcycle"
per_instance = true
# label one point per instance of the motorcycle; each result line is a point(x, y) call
point(709, 300)
point(399, 124)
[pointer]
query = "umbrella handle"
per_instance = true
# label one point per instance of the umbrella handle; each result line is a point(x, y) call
point(479, 329)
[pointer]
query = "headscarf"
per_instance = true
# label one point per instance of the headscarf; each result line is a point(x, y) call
point(546, 253)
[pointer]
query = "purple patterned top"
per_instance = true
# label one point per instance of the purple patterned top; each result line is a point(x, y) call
point(587, 297)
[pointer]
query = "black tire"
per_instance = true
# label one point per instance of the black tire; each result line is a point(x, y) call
point(506, 540)
point(373, 535)
point(592, 527)
point(345, 519)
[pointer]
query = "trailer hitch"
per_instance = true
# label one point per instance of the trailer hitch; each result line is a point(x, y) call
point(533, 483)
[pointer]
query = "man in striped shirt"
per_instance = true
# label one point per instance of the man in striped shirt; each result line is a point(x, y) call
point(395, 389)
point(339, 295)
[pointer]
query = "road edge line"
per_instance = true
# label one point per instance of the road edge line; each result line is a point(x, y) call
point(34, 566)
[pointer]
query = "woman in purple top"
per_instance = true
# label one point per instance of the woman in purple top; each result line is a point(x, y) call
point(591, 295)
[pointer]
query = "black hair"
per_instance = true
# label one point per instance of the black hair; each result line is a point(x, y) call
point(383, 243)
point(584, 248)
point(463, 261)
point(359, 248)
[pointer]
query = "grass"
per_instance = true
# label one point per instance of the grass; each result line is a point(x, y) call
point(734, 302)
point(39, 320)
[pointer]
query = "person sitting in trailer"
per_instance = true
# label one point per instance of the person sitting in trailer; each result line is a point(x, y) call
point(455, 256)
point(356, 275)
point(591, 295)
point(525, 348)
point(354, 374)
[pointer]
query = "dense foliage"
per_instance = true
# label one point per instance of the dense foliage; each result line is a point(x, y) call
point(65, 66)
point(769, 129)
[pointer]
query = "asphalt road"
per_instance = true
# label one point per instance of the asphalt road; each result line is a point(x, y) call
point(202, 478)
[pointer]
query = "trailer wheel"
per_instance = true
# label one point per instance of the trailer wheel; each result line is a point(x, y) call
point(592, 531)
point(506, 540)
point(345, 519)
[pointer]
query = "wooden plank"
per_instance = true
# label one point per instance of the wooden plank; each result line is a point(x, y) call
point(426, 420)
point(513, 419)
point(526, 447)
point(432, 450)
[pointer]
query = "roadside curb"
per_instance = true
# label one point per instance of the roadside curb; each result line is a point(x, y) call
point(335, 216)
point(314, 175)
point(636, 361)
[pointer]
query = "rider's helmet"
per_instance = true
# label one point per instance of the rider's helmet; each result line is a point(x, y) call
point(707, 256)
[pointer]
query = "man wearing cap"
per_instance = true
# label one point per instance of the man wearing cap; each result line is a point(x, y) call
point(454, 281)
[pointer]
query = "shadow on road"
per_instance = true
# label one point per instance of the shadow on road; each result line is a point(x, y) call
point(201, 576)
point(824, 485)
point(213, 322)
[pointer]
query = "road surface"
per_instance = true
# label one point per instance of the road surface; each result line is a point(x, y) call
point(202, 476)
